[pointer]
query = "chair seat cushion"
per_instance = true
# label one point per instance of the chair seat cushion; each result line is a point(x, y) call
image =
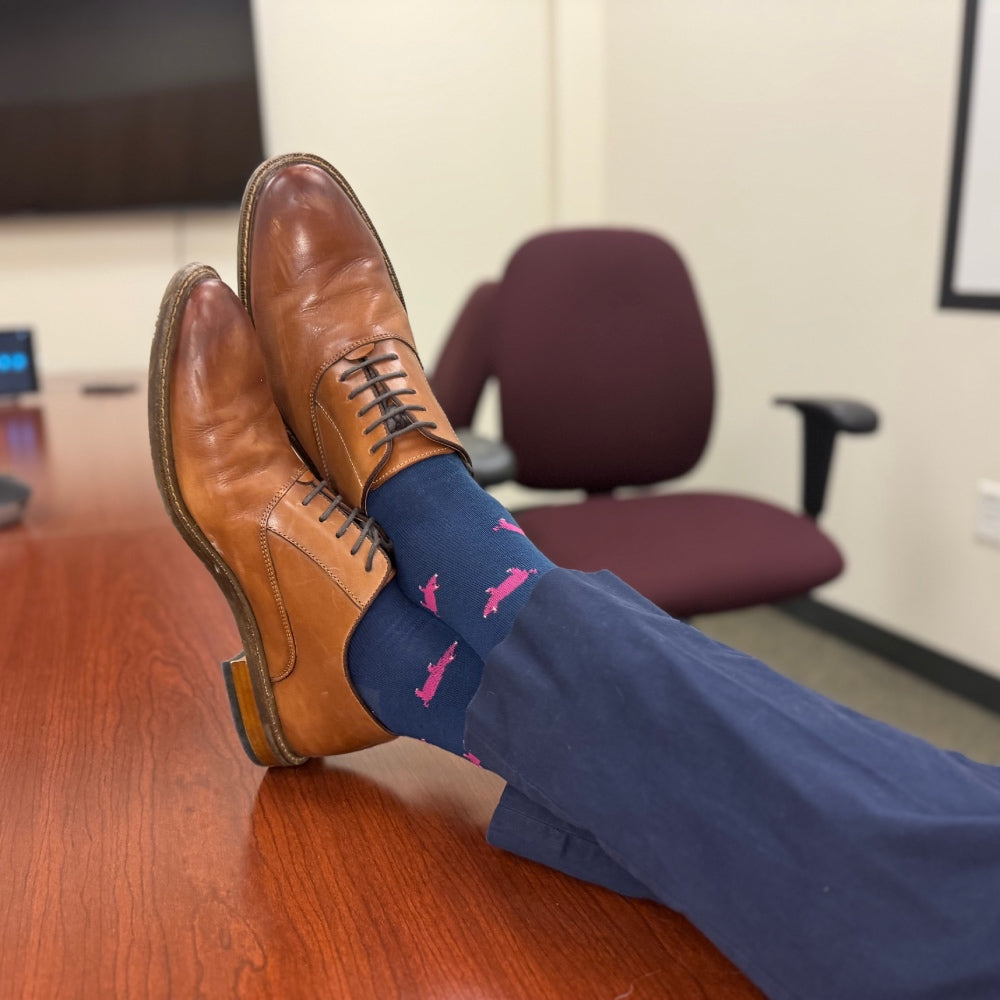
point(689, 553)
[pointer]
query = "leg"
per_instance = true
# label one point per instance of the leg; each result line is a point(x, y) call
point(343, 368)
point(522, 826)
point(827, 854)
point(288, 556)
point(346, 377)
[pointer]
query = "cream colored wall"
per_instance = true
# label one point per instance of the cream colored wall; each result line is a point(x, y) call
point(89, 285)
point(799, 154)
point(439, 115)
point(462, 125)
point(579, 93)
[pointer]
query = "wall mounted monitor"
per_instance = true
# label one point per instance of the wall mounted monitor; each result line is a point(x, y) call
point(119, 104)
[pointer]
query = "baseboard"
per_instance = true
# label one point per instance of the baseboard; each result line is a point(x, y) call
point(952, 675)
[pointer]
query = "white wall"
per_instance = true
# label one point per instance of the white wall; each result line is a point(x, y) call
point(461, 124)
point(438, 114)
point(89, 285)
point(799, 154)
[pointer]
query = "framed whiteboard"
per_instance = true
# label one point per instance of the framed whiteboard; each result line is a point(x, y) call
point(971, 277)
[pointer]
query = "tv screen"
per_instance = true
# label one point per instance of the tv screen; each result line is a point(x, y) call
point(115, 104)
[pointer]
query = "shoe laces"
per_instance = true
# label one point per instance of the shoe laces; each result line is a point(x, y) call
point(396, 417)
point(369, 530)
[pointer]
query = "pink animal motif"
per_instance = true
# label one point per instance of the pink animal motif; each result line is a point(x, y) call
point(429, 590)
point(507, 526)
point(514, 579)
point(435, 671)
point(475, 760)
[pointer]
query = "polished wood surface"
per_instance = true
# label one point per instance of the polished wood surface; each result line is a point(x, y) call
point(143, 855)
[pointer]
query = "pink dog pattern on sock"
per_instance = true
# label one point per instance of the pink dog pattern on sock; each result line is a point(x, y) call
point(429, 590)
point(435, 671)
point(507, 526)
point(514, 579)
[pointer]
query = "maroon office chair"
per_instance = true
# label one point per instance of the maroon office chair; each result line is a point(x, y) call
point(605, 378)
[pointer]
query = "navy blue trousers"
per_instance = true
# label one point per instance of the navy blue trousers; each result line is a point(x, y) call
point(828, 855)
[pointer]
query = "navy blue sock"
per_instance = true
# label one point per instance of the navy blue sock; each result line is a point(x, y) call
point(458, 551)
point(414, 673)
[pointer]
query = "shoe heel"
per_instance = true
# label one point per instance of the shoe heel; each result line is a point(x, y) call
point(250, 726)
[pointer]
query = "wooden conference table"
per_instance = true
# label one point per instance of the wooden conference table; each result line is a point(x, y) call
point(143, 855)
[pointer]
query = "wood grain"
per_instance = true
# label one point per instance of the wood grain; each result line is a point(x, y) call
point(142, 855)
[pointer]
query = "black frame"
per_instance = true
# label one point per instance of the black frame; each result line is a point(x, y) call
point(950, 297)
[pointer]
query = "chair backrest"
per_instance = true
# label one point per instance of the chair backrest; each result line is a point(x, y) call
point(605, 374)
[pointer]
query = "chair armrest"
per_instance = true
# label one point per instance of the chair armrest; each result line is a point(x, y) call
point(823, 419)
point(492, 461)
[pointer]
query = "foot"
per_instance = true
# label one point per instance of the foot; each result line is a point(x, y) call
point(337, 342)
point(283, 548)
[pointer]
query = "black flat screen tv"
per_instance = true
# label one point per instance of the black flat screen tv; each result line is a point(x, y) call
point(114, 104)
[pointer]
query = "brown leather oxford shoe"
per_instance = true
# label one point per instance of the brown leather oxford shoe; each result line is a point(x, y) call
point(337, 342)
point(286, 552)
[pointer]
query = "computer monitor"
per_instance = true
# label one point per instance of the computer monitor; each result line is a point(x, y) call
point(17, 363)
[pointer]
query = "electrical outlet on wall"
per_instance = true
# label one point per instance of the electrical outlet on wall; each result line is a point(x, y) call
point(988, 514)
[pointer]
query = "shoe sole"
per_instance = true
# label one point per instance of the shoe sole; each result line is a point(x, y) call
point(246, 677)
point(257, 181)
